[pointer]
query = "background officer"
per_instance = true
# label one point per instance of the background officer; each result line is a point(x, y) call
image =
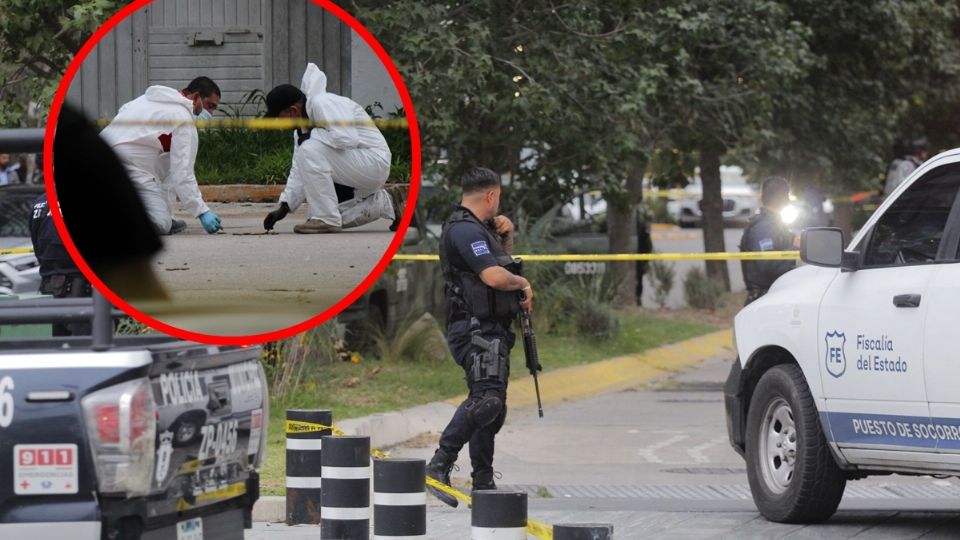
point(767, 232)
point(483, 298)
point(59, 276)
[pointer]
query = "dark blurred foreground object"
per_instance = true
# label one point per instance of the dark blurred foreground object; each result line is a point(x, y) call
point(105, 217)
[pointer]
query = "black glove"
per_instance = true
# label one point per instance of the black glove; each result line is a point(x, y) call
point(275, 216)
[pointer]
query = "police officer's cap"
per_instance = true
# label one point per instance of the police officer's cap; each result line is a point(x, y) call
point(281, 98)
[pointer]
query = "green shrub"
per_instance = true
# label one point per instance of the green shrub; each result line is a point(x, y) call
point(238, 156)
point(421, 340)
point(656, 209)
point(246, 156)
point(701, 291)
point(595, 321)
point(662, 275)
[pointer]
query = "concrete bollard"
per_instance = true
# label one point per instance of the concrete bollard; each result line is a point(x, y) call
point(303, 466)
point(499, 515)
point(345, 513)
point(399, 499)
point(583, 531)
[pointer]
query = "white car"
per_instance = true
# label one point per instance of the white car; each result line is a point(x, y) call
point(740, 200)
point(19, 271)
point(847, 367)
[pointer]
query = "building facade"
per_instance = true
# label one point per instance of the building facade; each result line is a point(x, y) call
point(243, 45)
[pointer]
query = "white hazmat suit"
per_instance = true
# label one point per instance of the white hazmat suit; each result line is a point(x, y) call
point(159, 157)
point(354, 156)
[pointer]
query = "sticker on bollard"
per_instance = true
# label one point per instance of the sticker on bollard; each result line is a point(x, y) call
point(399, 499)
point(498, 515)
point(345, 495)
point(304, 466)
point(583, 531)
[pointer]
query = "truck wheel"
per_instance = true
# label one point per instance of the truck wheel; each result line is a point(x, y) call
point(793, 476)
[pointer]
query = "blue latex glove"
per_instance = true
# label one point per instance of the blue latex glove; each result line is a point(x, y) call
point(210, 222)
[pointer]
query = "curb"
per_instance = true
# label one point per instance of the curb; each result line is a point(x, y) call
point(270, 509)
point(233, 193)
point(249, 193)
point(570, 383)
point(615, 374)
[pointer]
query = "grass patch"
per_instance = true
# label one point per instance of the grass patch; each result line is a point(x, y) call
point(351, 389)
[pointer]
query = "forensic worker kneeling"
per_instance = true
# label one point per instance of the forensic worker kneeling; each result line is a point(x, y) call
point(350, 151)
point(483, 298)
point(156, 138)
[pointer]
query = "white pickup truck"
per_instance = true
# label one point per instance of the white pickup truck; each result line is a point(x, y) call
point(846, 367)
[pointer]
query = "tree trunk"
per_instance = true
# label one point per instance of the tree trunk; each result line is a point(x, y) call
point(712, 208)
point(622, 232)
point(843, 219)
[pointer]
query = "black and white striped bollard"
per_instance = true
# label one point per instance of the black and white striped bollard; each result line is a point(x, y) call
point(583, 531)
point(499, 515)
point(345, 513)
point(303, 464)
point(399, 499)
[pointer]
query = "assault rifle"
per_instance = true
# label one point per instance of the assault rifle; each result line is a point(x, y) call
point(530, 343)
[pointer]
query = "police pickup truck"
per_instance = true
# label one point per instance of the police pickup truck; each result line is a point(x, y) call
point(125, 437)
point(848, 366)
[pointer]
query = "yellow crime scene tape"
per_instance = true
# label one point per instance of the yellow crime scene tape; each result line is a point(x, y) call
point(16, 251)
point(627, 257)
point(595, 257)
point(535, 528)
point(262, 123)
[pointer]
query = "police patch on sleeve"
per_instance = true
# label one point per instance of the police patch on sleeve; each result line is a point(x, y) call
point(766, 244)
point(480, 248)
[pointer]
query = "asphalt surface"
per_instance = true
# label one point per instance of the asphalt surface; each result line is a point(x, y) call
point(654, 462)
point(241, 281)
point(689, 241)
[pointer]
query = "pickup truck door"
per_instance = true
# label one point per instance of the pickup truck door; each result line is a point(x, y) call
point(871, 326)
point(941, 361)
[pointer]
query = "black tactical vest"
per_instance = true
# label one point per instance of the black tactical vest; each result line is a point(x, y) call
point(467, 295)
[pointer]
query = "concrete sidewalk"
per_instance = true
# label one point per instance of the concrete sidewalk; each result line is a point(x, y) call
point(562, 385)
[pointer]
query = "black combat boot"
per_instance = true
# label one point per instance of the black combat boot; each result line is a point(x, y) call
point(483, 480)
point(439, 469)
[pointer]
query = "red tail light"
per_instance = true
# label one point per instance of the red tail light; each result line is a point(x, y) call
point(108, 423)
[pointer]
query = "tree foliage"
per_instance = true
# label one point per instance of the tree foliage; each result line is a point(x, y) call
point(571, 96)
point(38, 39)
point(874, 64)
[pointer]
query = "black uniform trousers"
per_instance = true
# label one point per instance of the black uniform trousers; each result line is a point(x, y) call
point(461, 430)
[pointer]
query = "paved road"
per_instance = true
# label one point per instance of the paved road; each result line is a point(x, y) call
point(655, 463)
point(690, 241)
point(241, 281)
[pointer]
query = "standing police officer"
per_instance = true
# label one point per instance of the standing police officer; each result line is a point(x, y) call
point(767, 232)
point(483, 298)
point(59, 276)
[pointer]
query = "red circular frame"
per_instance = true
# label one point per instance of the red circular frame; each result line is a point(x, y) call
point(57, 103)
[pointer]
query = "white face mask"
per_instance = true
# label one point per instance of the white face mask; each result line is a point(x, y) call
point(204, 115)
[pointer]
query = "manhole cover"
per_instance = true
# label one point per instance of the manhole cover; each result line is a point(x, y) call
point(706, 470)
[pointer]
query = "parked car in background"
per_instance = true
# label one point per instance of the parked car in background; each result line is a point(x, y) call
point(405, 291)
point(19, 272)
point(740, 200)
point(579, 225)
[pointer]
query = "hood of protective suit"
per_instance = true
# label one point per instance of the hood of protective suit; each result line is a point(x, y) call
point(164, 94)
point(314, 80)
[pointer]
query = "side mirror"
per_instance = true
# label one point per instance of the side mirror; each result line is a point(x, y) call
point(822, 246)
